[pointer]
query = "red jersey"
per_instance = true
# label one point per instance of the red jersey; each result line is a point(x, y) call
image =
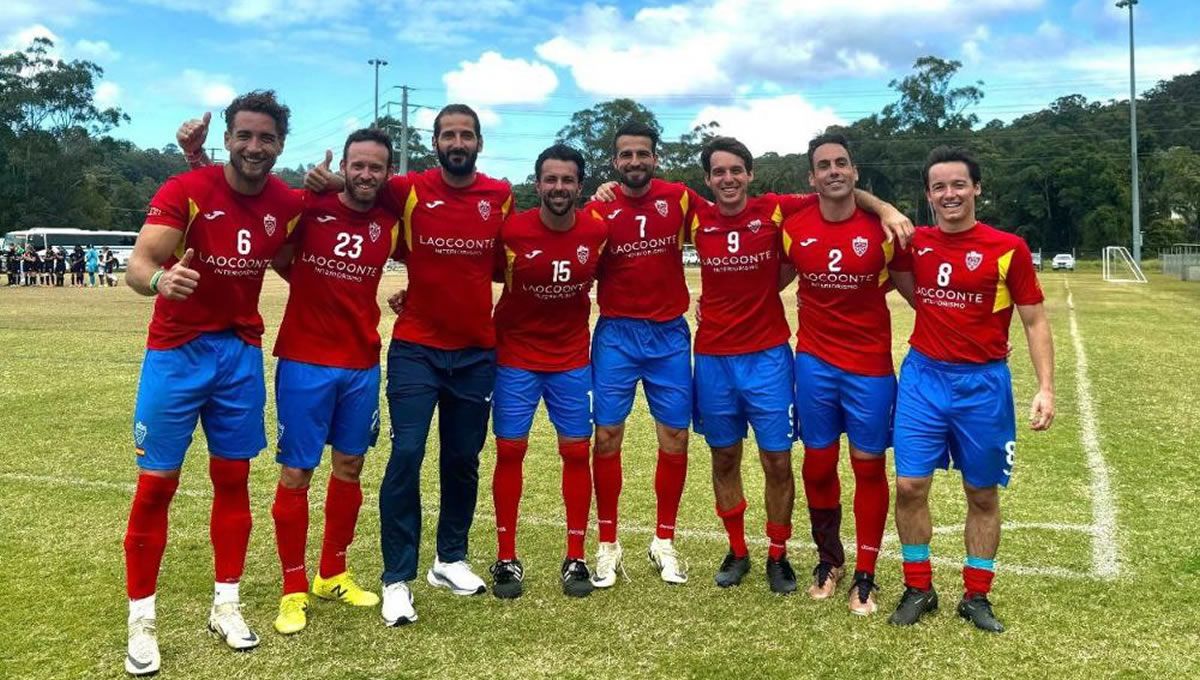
point(450, 250)
point(332, 316)
point(641, 272)
point(542, 316)
point(966, 285)
point(235, 237)
point(842, 283)
point(740, 308)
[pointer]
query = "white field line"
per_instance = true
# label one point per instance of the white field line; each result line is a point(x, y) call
point(370, 505)
point(1105, 555)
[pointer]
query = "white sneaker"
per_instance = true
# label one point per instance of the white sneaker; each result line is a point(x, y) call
point(397, 609)
point(457, 576)
point(142, 657)
point(226, 622)
point(608, 560)
point(664, 558)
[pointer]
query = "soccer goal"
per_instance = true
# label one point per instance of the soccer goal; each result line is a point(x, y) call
point(1120, 267)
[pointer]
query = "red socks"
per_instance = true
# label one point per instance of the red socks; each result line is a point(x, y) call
point(977, 581)
point(146, 534)
point(342, 502)
point(577, 493)
point(871, 499)
point(607, 473)
point(918, 575)
point(507, 481)
point(777, 537)
point(290, 512)
point(669, 478)
point(229, 523)
point(735, 525)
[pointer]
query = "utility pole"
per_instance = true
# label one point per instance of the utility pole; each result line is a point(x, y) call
point(1133, 142)
point(404, 129)
point(376, 63)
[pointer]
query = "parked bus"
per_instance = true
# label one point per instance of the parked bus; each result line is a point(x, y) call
point(119, 242)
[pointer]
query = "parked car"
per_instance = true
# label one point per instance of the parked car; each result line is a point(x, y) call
point(1037, 260)
point(690, 257)
point(1063, 261)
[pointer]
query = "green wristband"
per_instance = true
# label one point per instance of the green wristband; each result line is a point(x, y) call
point(154, 280)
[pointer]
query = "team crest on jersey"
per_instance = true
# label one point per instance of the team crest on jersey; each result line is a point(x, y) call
point(582, 254)
point(974, 259)
point(269, 224)
point(374, 230)
point(860, 245)
point(485, 209)
point(139, 433)
point(661, 206)
point(754, 226)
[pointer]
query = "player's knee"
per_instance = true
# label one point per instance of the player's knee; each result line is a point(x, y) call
point(574, 450)
point(912, 489)
point(511, 450)
point(777, 466)
point(346, 467)
point(672, 439)
point(228, 474)
point(294, 478)
point(984, 501)
point(608, 440)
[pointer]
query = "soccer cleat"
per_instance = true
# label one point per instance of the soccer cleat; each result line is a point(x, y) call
point(825, 580)
point(343, 589)
point(141, 657)
point(664, 558)
point(457, 576)
point(780, 576)
point(576, 580)
point(397, 609)
point(862, 594)
point(293, 614)
point(913, 605)
point(978, 610)
point(733, 570)
point(608, 560)
point(508, 579)
point(226, 622)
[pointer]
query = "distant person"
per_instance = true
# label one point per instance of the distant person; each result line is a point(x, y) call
point(60, 267)
point(77, 258)
point(91, 260)
point(108, 265)
point(12, 263)
point(29, 267)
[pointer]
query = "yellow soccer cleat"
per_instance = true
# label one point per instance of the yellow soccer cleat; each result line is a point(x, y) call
point(293, 614)
point(343, 589)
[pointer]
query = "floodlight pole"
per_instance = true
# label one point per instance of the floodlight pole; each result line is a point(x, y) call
point(1133, 142)
point(376, 63)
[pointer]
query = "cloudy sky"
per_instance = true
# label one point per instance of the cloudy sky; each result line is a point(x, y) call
point(770, 71)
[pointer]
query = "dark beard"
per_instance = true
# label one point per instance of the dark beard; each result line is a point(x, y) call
point(461, 170)
point(550, 207)
point(647, 175)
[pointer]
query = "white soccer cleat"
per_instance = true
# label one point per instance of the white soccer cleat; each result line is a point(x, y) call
point(457, 576)
point(664, 558)
point(397, 609)
point(142, 656)
point(226, 622)
point(608, 560)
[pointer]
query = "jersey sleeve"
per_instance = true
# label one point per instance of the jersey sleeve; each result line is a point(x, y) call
point(307, 201)
point(395, 193)
point(790, 204)
point(170, 206)
point(901, 258)
point(1021, 279)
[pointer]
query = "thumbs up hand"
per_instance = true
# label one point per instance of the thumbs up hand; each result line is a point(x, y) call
point(322, 178)
point(192, 134)
point(180, 281)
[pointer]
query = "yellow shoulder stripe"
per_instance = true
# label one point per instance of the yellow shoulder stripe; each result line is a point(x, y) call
point(509, 259)
point(1003, 297)
point(410, 204)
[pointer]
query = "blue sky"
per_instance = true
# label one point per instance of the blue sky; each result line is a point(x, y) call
point(772, 72)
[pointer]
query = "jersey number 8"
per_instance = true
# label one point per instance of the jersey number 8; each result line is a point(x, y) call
point(944, 270)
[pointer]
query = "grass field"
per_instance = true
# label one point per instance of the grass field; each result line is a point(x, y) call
point(1099, 568)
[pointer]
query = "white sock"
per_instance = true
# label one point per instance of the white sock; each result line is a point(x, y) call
point(143, 608)
point(225, 592)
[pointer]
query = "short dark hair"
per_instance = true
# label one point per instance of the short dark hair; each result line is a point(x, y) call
point(728, 145)
point(451, 109)
point(369, 135)
point(637, 128)
point(828, 138)
point(952, 154)
point(260, 101)
point(559, 152)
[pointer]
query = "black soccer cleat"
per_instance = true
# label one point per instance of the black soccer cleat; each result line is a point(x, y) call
point(780, 576)
point(913, 605)
point(733, 570)
point(508, 579)
point(978, 610)
point(576, 579)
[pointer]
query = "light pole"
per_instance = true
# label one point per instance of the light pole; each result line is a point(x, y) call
point(1133, 147)
point(376, 63)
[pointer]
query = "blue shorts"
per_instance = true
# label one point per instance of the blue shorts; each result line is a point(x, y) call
point(740, 389)
point(217, 378)
point(321, 405)
point(830, 401)
point(960, 413)
point(657, 353)
point(568, 396)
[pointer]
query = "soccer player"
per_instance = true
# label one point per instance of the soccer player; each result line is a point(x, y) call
point(208, 238)
point(549, 258)
point(843, 371)
point(642, 335)
point(955, 401)
point(442, 354)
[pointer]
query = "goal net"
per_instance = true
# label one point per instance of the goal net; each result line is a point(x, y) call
point(1120, 267)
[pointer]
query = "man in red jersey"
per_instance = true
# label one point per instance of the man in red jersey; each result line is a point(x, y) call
point(442, 354)
point(844, 376)
point(209, 236)
point(549, 258)
point(955, 400)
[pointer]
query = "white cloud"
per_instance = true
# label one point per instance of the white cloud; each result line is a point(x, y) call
point(21, 38)
point(265, 12)
point(494, 80)
point(780, 124)
point(446, 23)
point(108, 94)
point(1154, 63)
point(18, 13)
point(95, 50)
point(210, 90)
